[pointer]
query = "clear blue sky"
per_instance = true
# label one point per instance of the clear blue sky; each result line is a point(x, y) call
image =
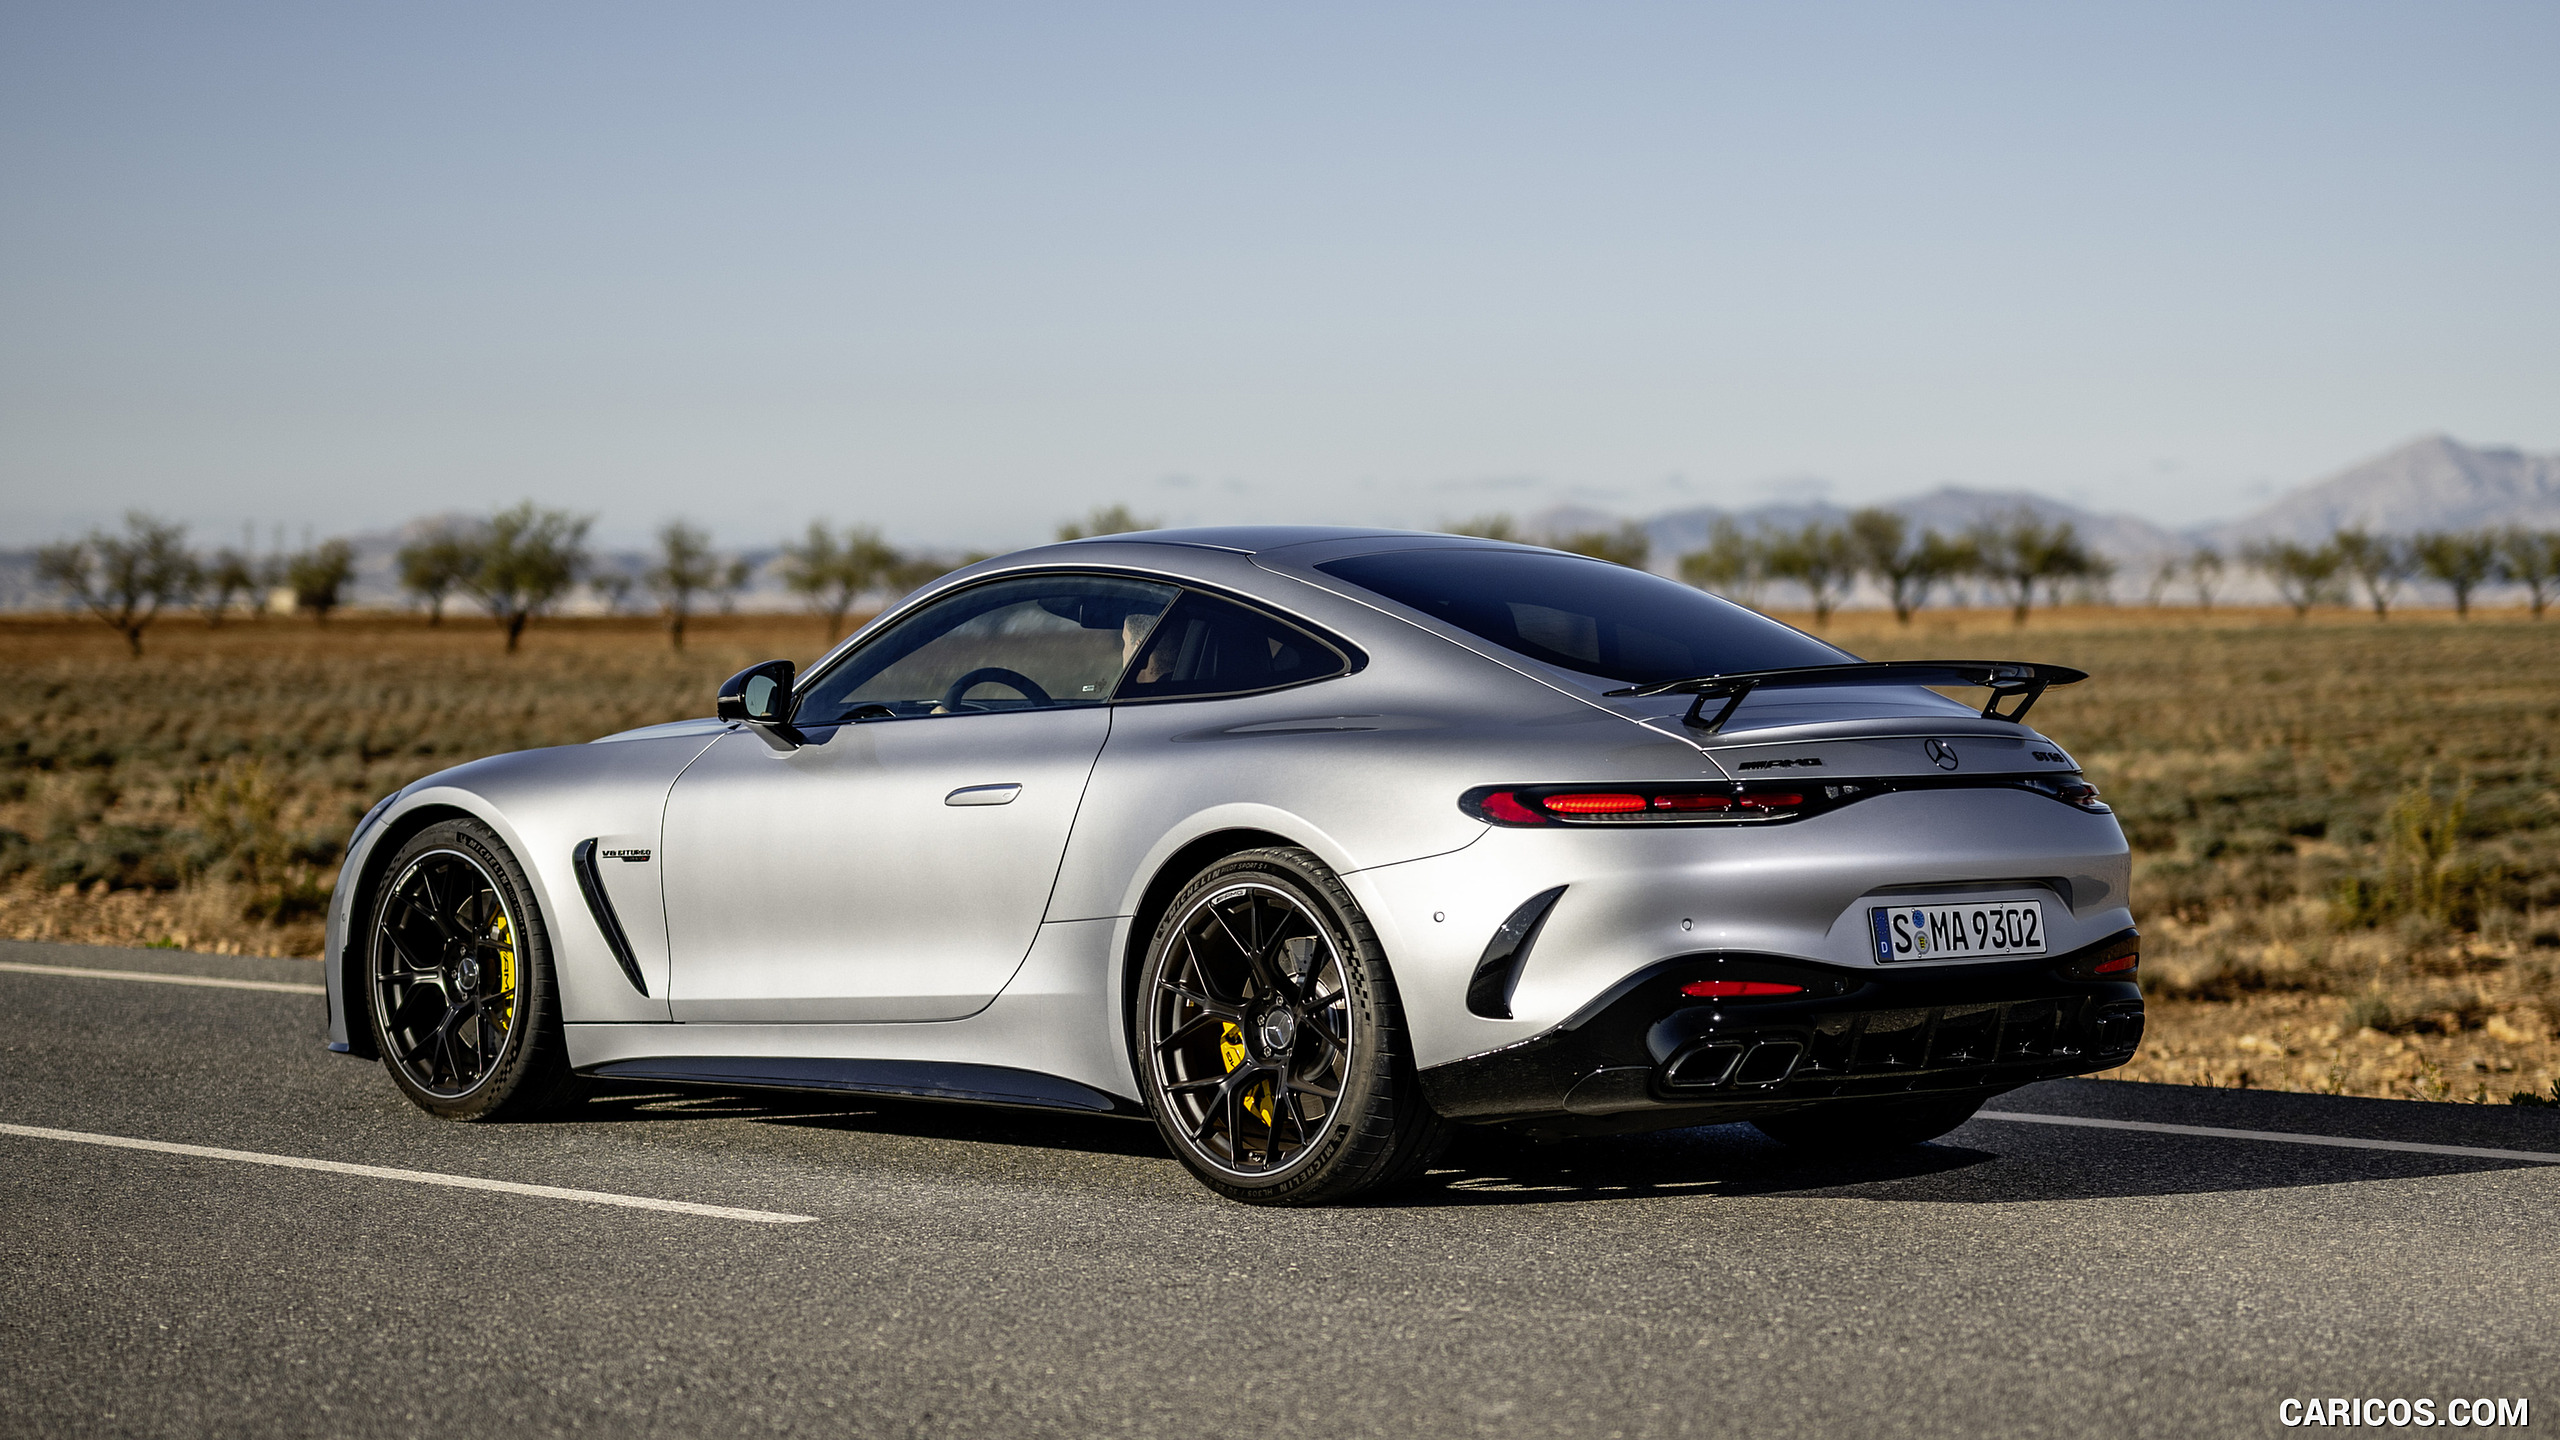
point(963, 269)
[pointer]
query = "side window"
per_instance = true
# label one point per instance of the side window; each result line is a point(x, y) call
point(1032, 643)
point(1207, 646)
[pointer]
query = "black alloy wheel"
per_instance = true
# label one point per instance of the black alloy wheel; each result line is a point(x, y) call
point(1253, 1028)
point(1272, 1049)
point(463, 1009)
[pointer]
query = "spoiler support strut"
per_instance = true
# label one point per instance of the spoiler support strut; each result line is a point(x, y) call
point(2021, 680)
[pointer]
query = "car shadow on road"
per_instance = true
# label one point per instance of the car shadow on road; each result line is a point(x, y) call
point(2030, 1164)
point(915, 1119)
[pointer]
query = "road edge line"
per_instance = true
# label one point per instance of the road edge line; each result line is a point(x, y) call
point(283, 987)
point(417, 1177)
point(2286, 1137)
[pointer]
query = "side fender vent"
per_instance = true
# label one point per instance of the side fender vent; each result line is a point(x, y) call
point(1498, 973)
point(600, 906)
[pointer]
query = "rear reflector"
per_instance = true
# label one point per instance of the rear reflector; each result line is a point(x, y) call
point(1736, 989)
point(2117, 966)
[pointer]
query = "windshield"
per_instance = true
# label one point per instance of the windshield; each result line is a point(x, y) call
point(1586, 615)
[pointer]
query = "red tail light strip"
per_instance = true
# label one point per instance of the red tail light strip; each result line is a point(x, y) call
point(1653, 805)
point(1711, 803)
point(1602, 802)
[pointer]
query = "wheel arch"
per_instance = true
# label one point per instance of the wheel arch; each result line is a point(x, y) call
point(356, 996)
point(1176, 871)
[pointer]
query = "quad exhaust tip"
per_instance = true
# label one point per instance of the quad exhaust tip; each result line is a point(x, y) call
point(1714, 1066)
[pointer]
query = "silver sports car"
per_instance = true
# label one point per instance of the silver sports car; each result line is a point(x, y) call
point(1313, 845)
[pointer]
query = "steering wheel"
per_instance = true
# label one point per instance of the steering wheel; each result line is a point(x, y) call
point(1014, 679)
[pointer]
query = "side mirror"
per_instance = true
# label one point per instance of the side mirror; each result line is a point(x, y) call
point(759, 694)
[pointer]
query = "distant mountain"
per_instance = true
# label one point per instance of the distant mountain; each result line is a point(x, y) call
point(2435, 483)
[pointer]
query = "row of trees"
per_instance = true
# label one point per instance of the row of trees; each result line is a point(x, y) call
point(126, 580)
point(2018, 555)
point(523, 562)
point(2379, 565)
point(518, 564)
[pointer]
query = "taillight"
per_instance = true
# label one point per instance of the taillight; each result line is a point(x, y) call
point(2073, 791)
point(1504, 808)
point(1695, 803)
point(1594, 803)
point(1737, 989)
point(1725, 802)
point(2120, 965)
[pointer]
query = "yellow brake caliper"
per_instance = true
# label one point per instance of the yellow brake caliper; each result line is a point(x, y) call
point(1231, 1051)
point(506, 942)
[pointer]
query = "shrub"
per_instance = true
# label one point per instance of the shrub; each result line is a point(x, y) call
point(2422, 872)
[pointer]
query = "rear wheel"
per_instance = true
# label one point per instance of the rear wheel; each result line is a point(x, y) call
point(465, 1011)
point(1857, 1127)
point(1272, 1047)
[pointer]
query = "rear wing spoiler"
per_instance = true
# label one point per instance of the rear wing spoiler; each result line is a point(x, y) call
point(2005, 679)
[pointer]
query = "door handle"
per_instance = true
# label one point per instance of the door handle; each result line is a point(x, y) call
point(982, 795)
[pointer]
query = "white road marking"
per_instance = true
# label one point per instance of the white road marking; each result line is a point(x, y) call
point(2538, 1157)
point(281, 987)
point(419, 1177)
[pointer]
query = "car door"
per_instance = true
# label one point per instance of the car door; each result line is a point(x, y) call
point(895, 865)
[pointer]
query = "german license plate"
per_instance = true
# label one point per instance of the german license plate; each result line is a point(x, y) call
point(1948, 932)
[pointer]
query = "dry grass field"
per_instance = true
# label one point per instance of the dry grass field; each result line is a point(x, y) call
point(2347, 833)
point(199, 796)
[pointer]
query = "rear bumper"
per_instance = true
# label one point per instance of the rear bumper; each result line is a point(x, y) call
point(1646, 1056)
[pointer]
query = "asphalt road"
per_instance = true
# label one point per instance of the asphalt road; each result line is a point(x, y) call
point(978, 1273)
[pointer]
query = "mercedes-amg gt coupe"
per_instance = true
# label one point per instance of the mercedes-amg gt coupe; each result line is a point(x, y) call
point(1312, 845)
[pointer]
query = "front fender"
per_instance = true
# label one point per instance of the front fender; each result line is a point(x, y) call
point(542, 804)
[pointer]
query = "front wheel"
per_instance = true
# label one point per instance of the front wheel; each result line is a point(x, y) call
point(465, 1011)
point(1272, 1046)
point(1856, 1127)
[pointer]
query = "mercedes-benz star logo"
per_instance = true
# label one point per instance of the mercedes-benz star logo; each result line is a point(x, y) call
point(1279, 1028)
point(1940, 753)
